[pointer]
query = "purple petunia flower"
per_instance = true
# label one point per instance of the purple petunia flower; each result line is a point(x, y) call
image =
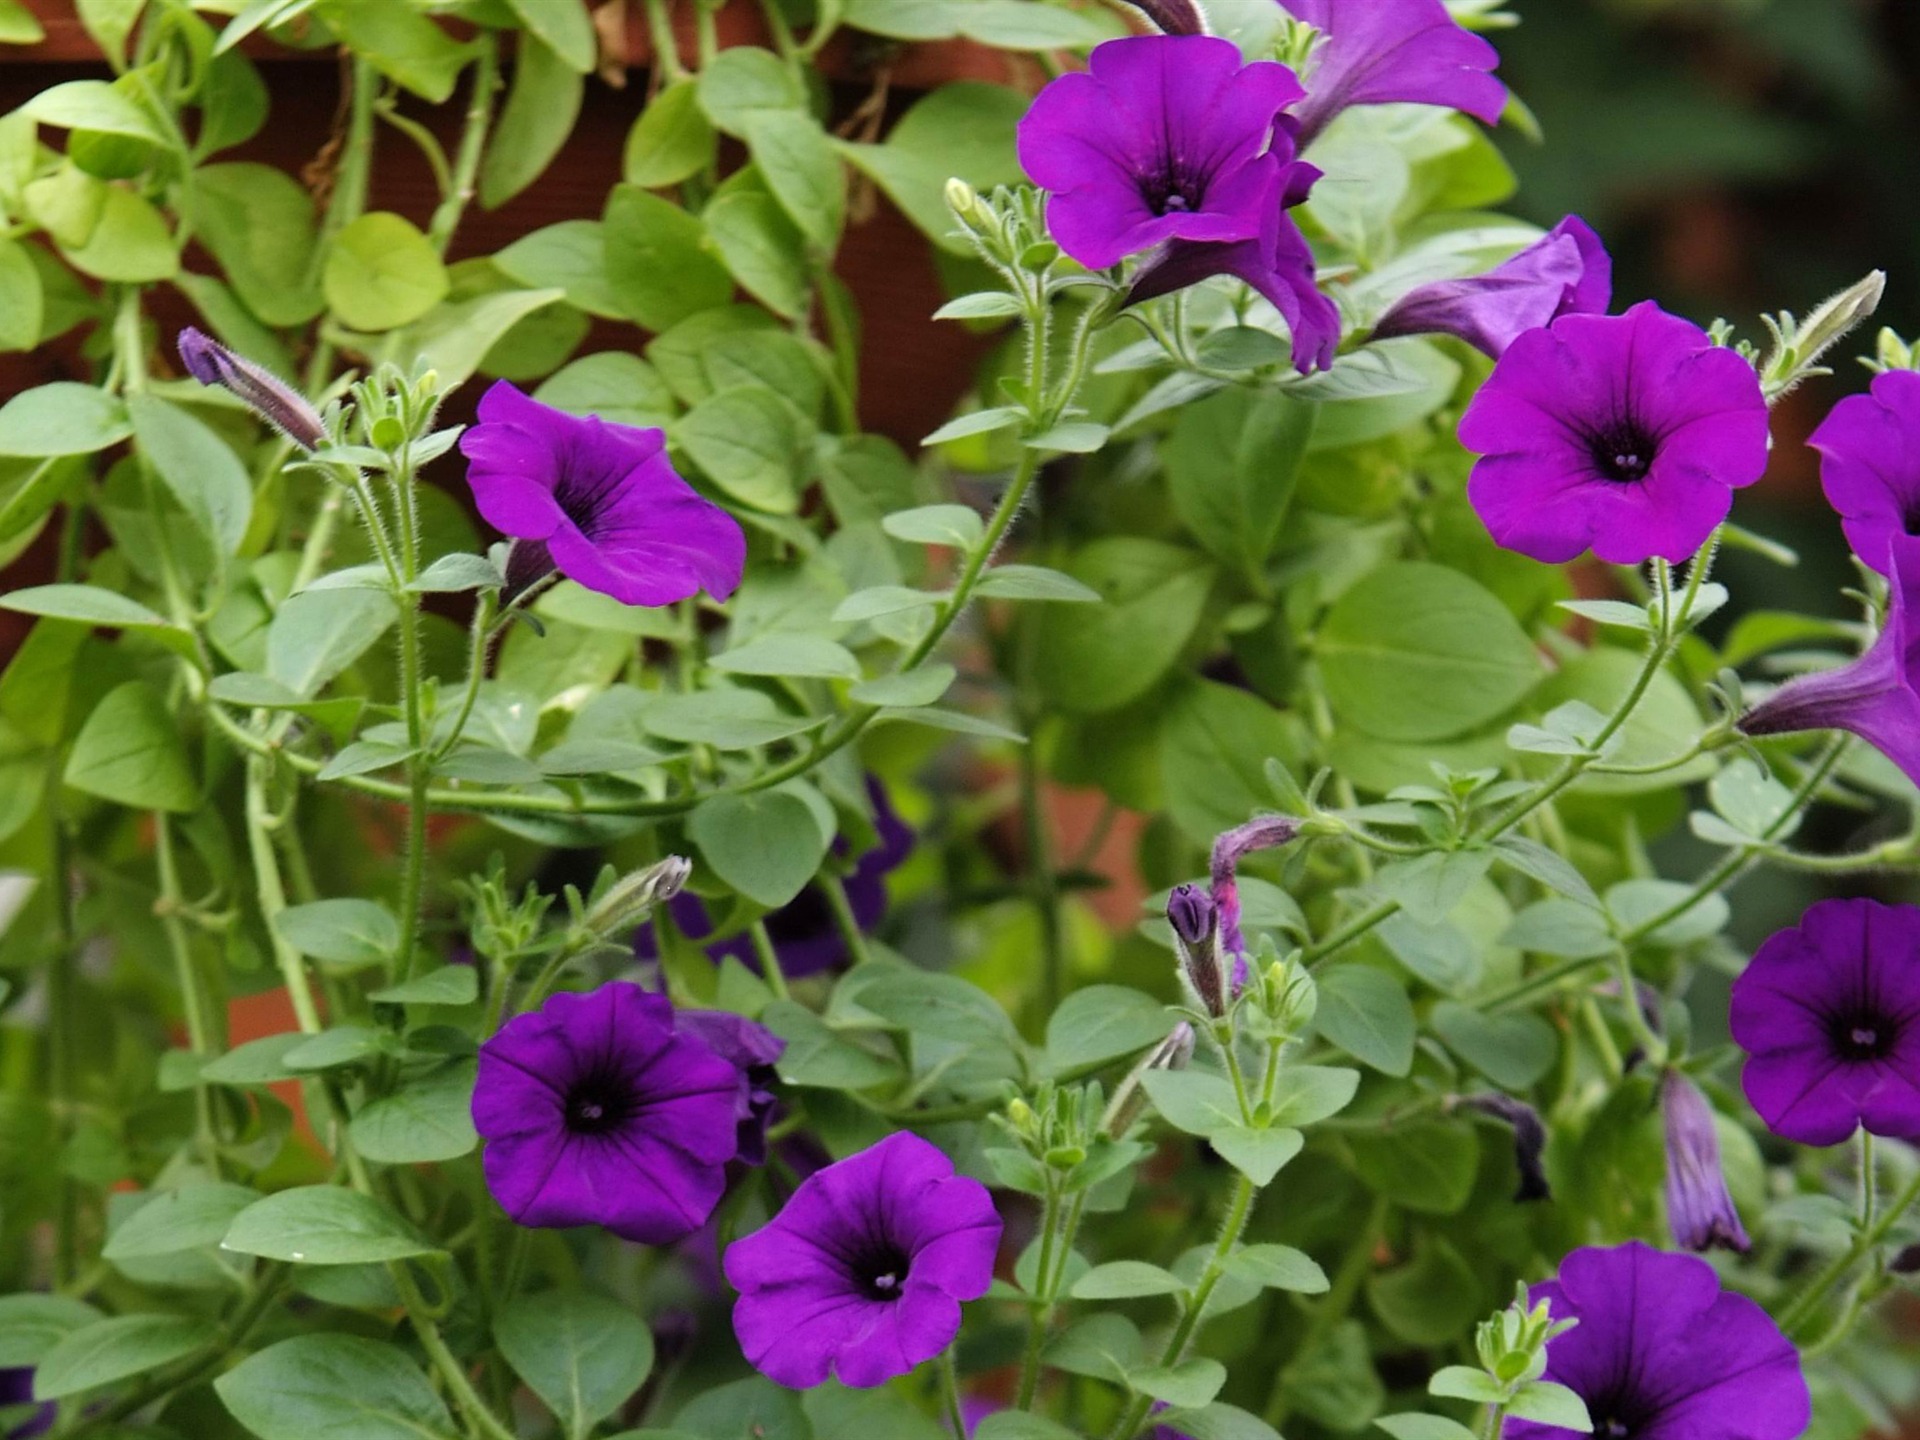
point(1625, 434)
point(16, 1389)
point(1663, 1353)
point(805, 936)
point(1565, 272)
point(599, 502)
point(752, 1050)
point(595, 1112)
point(861, 1274)
point(1870, 464)
point(1169, 146)
point(1828, 1012)
point(1877, 696)
point(1700, 1212)
point(1379, 52)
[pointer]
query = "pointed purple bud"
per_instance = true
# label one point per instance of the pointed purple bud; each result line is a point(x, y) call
point(529, 566)
point(1529, 1140)
point(1699, 1210)
point(1173, 17)
point(265, 393)
point(1173, 1053)
point(1261, 833)
point(1877, 696)
point(1196, 930)
point(1565, 272)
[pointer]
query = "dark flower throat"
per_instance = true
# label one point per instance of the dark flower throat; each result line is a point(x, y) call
point(1623, 452)
point(599, 1103)
point(1861, 1036)
point(881, 1270)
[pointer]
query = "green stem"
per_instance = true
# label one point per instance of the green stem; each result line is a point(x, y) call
point(479, 637)
point(844, 920)
point(1042, 1313)
point(950, 1392)
point(473, 143)
point(1869, 1181)
point(273, 896)
point(1045, 882)
point(769, 957)
point(187, 977)
point(1811, 1298)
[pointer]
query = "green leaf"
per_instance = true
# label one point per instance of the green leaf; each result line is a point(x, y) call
point(32, 1324)
point(539, 115)
point(881, 1414)
point(910, 689)
point(1189, 1384)
point(1101, 1023)
point(334, 1387)
point(1103, 1346)
point(1308, 1094)
point(1424, 1427)
point(1545, 1403)
point(620, 388)
point(957, 526)
point(324, 1225)
point(339, 1047)
point(1429, 886)
point(672, 139)
point(766, 844)
point(1412, 628)
point(130, 752)
point(753, 1409)
point(62, 419)
point(1192, 1100)
point(259, 223)
point(1075, 437)
point(751, 444)
point(342, 932)
point(1423, 1165)
point(398, 39)
point(964, 131)
point(743, 83)
point(193, 1218)
point(1256, 1154)
point(316, 635)
point(1094, 658)
point(1126, 1280)
point(1366, 1013)
point(96, 105)
point(1033, 582)
point(1278, 1267)
point(429, 1118)
point(656, 263)
point(1215, 742)
point(761, 248)
point(197, 466)
point(976, 422)
point(819, 1056)
point(257, 1062)
point(115, 1349)
point(571, 257)
point(1217, 1422)
point(1462, 1382)
point(449, 985)
point(1635, 903)
point(1020, 1425)
point(1232, 461)
point(1021, 25)
point(564, 27)
point(88, 604)
point(724, 719)
point(382, 273)
point(789, 653)
point(1513, 1049)
point(22, 299)
point(802, 168)
point(454, 339)
point(582, 1354)
point(1432, 1299)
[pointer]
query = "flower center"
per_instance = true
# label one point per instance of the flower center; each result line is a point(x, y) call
point(882, 1272)
point(1622, 453)
point(1174, 191)
point(1863, 1037)
point(1618, 1415)
point(597, 1104)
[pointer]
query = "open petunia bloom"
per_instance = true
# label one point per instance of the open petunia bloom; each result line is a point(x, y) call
point(1877, 696)
point(599, 502)
point(596, 1112)
point(1663, 1353)
point(1624, 434)
point(1379, 52)
point(1171, 148)
point(1567, 271)
point(1870, 464)
point(752, 1050)
point(862, 1273)
point(1828, 1012)
point(1700, 1212)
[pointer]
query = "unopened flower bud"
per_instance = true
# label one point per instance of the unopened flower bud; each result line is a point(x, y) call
point(1838, 314)
point(1196, 931)
point(1893, 353)
point(1292, 997)
point(631, 898)
point(1700, 1212)
point(969, 209)
point(1529, 1141)
point(1173, 1053)
point(1906, 1260)
point(1173, 17)
point(268, 396)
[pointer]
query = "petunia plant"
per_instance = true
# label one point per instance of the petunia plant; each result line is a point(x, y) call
point(557, 881)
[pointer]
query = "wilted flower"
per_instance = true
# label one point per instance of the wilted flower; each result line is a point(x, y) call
point(1826, 1012)
point(1261, 833)
point(1565, 272)
point(1700, 1212)
point(1379, 52)
point(599, 502)
point(861, 1274)
point(1875, 696)
point(265, 393)
point(1529, 1140)
point(1626, 435)
point(1663, 1353)
point(1169, 146)
point(1870, 464)
point(1130, 1096)
point(751, 1049)
point(595, 1112)
point(804, 933)
point(1173, 17)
